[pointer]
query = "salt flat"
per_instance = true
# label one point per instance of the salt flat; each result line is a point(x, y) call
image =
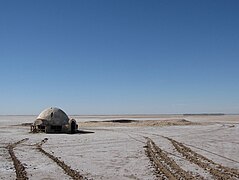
point(120, 150)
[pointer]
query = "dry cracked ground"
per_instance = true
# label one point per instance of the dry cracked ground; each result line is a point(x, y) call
point(123, 147)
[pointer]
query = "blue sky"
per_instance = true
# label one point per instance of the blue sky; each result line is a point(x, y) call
point(119, 57)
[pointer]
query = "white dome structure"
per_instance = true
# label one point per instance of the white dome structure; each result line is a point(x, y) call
point(54, 116)
point(54, 120)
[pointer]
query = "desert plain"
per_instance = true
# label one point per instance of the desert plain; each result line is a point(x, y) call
point(123, 147)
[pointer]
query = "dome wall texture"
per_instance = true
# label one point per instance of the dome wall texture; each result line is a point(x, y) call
point(54, 116)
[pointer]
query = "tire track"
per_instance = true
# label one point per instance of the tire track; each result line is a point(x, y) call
point(165, 166)
point(232, 160)
point(217, 170)
point(21, 173)
point(71, 172)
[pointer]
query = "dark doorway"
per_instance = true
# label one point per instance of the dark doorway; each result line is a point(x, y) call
point(41, 128)
point(56, 128)
point(73, 127)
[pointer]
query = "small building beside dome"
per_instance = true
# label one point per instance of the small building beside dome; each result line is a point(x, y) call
point(54, 120)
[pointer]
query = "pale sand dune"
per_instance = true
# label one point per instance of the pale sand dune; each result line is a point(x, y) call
point(136, 123)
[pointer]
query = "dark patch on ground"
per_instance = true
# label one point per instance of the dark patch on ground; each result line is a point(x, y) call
point(26, 124)
point(205, 114)
point(120, 121)
point(83, 132)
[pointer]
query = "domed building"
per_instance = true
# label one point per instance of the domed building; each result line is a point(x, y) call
point(54, 120)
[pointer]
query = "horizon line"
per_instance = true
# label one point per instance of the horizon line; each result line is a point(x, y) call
point(130, 114)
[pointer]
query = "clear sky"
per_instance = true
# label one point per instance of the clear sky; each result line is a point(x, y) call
point(119, 56)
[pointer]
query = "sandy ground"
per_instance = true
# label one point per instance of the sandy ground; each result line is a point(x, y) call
point(148, 147)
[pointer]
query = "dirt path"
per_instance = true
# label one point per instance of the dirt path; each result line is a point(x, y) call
point(217, 170)
point(21, 173)
point(165, 166)
point(71, 172)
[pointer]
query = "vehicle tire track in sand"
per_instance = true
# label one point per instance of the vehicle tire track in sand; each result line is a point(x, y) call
point(71, 172)
point(227, 158)
point(217, 170)
point(21, 173)
point(165, 166)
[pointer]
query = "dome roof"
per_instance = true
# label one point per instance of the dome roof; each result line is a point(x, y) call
point(54, 116)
